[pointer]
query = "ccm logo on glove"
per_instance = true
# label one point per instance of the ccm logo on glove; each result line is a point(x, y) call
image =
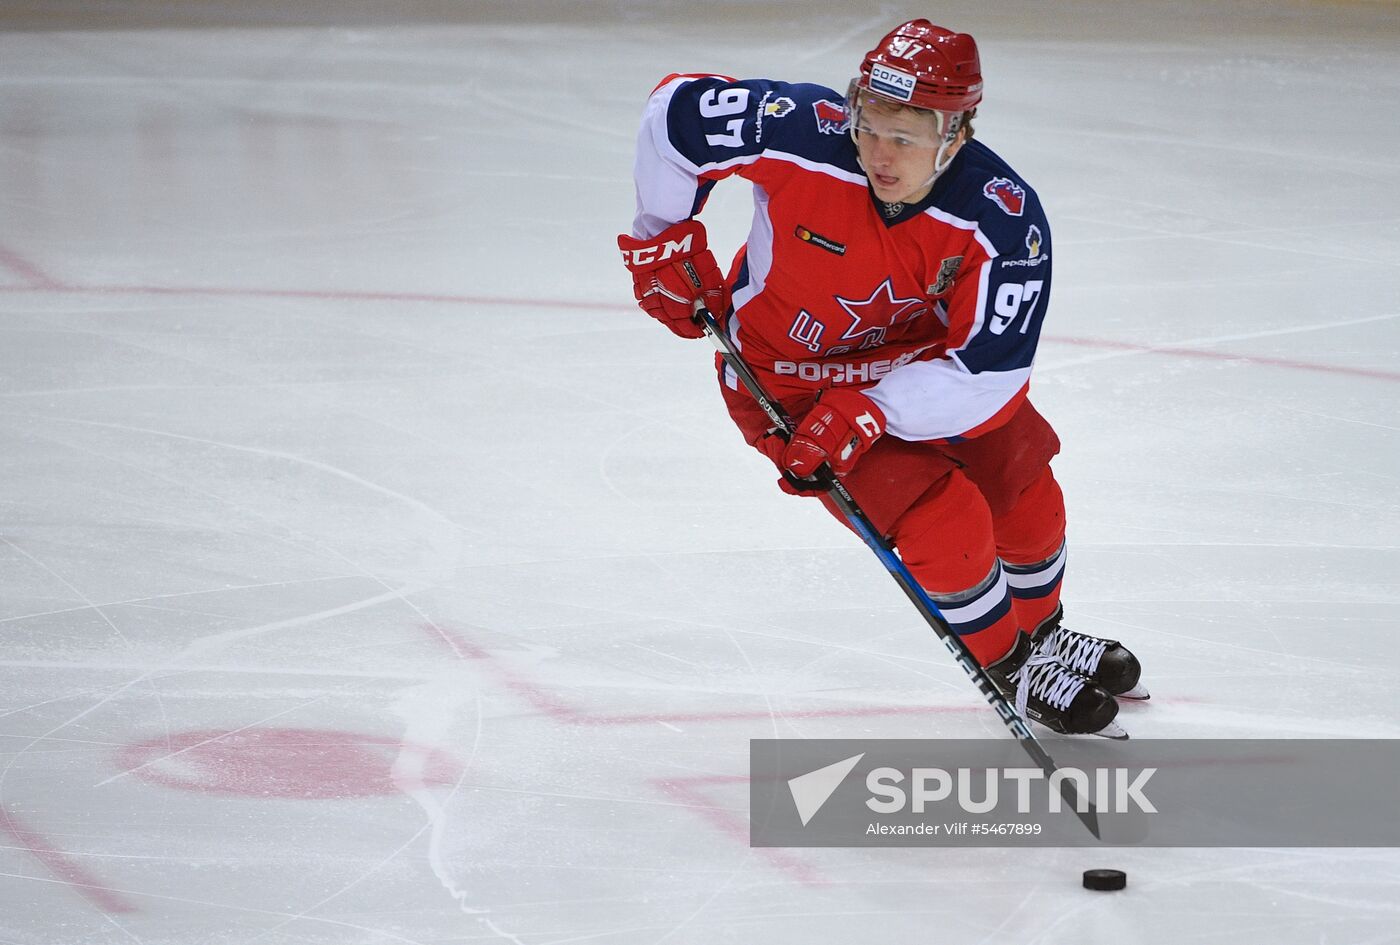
point(671, 271)
point(838, 430)
point(656, 253)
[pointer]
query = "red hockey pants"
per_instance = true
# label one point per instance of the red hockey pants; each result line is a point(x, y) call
point(980, 523)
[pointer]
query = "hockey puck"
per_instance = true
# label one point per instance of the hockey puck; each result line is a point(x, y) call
point(1105, 880)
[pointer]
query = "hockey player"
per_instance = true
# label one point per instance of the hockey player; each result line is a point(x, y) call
point(890, 295)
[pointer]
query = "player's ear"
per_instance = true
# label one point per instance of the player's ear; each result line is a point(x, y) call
point(958, 141)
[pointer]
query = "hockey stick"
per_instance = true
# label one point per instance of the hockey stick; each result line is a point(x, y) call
point(927, 609)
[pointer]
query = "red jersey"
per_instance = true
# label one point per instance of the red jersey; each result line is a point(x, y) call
point(933, 309)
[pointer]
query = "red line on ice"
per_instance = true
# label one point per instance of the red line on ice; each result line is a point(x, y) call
point(35, 277)
point(43, 283)
point(684, 789)
point(66, 869)
point(854, 712)
point(1206, 354)
point(549, 705)
point(680, 788)
point(465, 649)
point(330, 295)
point(733, 826)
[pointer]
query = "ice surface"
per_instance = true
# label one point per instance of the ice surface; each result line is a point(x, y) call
point(374, 572)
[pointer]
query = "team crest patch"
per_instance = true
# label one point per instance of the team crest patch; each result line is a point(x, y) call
point(947, 271)
point(1033, 241)
point(779, 107)
point(1006, 194)
point(832, 119)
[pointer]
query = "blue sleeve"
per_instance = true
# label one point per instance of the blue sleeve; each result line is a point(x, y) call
point(698, 129)
point(713, 120)
point(1015, 294)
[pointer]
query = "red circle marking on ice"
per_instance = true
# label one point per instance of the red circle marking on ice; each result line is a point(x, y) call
point(288, 763)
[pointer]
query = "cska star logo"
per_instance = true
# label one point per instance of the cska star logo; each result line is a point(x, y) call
point(1006, 194)
point(870, 317)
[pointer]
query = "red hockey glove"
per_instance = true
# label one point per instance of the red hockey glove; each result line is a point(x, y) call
point(670, 271)
point(772, 444)
point(841, 426)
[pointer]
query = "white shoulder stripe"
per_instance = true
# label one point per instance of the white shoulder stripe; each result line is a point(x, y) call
point(943, 216)
point(726, 165)
point(807, 164)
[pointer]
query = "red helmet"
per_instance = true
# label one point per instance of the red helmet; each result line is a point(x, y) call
point(925, 66)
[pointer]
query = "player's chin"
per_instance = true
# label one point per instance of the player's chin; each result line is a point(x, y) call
point(889, 192)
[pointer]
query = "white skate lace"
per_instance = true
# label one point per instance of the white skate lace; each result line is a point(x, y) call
point(1044, 676)
point(1079, 651)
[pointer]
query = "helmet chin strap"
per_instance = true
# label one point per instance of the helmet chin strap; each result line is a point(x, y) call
point(941, 160)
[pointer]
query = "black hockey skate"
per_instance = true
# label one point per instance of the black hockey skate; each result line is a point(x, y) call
point(1046, 690)
point(1108, 662)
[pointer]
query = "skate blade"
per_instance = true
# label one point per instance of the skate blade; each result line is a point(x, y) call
point(1138, 692)
point(1114, 731)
